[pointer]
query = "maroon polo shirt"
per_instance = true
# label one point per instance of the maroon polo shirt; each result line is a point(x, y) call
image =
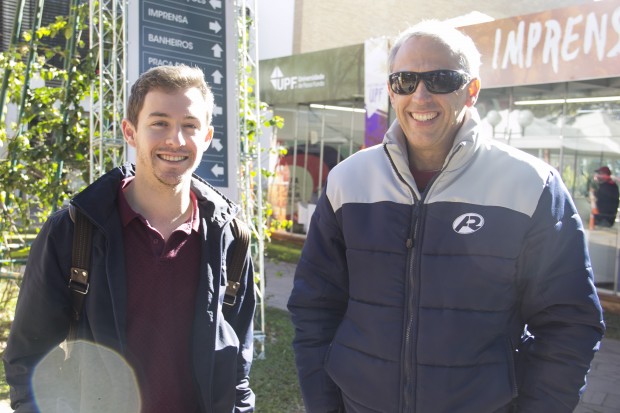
point(422, 178)
point(162, 279)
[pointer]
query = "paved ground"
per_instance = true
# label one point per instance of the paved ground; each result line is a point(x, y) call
point(602, 394)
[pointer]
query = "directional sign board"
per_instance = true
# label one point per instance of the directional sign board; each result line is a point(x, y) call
point(195, 33)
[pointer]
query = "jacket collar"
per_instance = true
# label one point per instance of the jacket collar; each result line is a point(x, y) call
point(465, 143)
point(98, 200)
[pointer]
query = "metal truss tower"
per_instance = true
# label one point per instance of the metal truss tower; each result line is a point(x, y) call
point(108, 94)
point(250, 182)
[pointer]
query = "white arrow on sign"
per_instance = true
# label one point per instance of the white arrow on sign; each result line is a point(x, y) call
point(217, 170)
point(217, 50)
point(217, 110)
point(215, 26)
point(217, 144)
point(216, 4)
point(217, 77)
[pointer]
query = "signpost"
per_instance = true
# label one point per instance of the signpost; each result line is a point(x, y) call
point(195, 33)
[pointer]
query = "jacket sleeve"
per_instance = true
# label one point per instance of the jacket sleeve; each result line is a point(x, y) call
point(42, 315)
point(317, 304)
point(241, 317)
point(559, 306)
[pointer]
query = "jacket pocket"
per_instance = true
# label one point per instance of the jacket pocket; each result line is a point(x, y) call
point(327, 353)
point(512, 367)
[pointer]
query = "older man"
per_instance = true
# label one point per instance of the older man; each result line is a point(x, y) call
point(443, 272)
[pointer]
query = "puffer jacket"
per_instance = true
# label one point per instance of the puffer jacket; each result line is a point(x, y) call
point(222, 347)
point(409, 302)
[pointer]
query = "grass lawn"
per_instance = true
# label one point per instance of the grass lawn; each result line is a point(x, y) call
point(274, 379)
point(282, 251)
point(612, 322)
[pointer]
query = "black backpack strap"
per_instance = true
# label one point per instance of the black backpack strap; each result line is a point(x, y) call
point(235, 269)
point(80, 265)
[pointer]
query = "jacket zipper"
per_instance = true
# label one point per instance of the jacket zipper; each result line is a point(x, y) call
point(407, 374)
point(408, 377)
point(409, 359)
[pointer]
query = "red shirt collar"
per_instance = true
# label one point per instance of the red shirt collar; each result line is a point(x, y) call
point(128, 214)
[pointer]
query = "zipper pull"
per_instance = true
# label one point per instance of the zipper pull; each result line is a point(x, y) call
point(409, 243)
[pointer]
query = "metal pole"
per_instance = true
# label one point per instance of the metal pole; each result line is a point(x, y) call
point(33, 48)
point(102, 92)
point(351, 133)
point(17, 27)
point(321, 148)
point(293, 178)
point(561, 165)
point(304, 178)
point(70, 52)
point(245, 133)
point(260, 333)
point(36, 24)
point(252, 195)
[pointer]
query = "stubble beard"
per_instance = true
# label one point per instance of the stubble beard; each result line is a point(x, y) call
point(167, 177)
point(173, 179)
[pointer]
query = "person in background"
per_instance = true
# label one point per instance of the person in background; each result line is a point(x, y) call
point(443, 271)
point(160, 243)
point(604, 196)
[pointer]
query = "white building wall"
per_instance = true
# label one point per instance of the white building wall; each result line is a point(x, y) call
point(275, 28)
point(301, 26)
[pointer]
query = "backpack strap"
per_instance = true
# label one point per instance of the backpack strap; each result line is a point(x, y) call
point(241, 232)
point(80, 265)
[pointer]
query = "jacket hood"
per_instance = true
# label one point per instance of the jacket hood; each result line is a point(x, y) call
point(98, 200)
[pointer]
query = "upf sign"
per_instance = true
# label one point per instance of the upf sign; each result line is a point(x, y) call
point(281, 82)
point(581, 42)
point(326, 75)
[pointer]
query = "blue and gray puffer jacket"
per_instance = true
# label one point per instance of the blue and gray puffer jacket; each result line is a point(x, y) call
point(409, 302)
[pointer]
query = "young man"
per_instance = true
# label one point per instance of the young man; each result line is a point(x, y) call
point(443, 272)
point(160, 243)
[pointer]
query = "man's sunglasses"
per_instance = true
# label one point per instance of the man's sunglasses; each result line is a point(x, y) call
point(436, 81)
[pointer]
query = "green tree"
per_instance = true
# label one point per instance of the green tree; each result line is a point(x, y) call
point(44, 156)
point(45, 152)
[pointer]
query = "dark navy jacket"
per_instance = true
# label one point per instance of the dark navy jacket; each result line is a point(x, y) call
point(409, 302)
point(222, 348)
